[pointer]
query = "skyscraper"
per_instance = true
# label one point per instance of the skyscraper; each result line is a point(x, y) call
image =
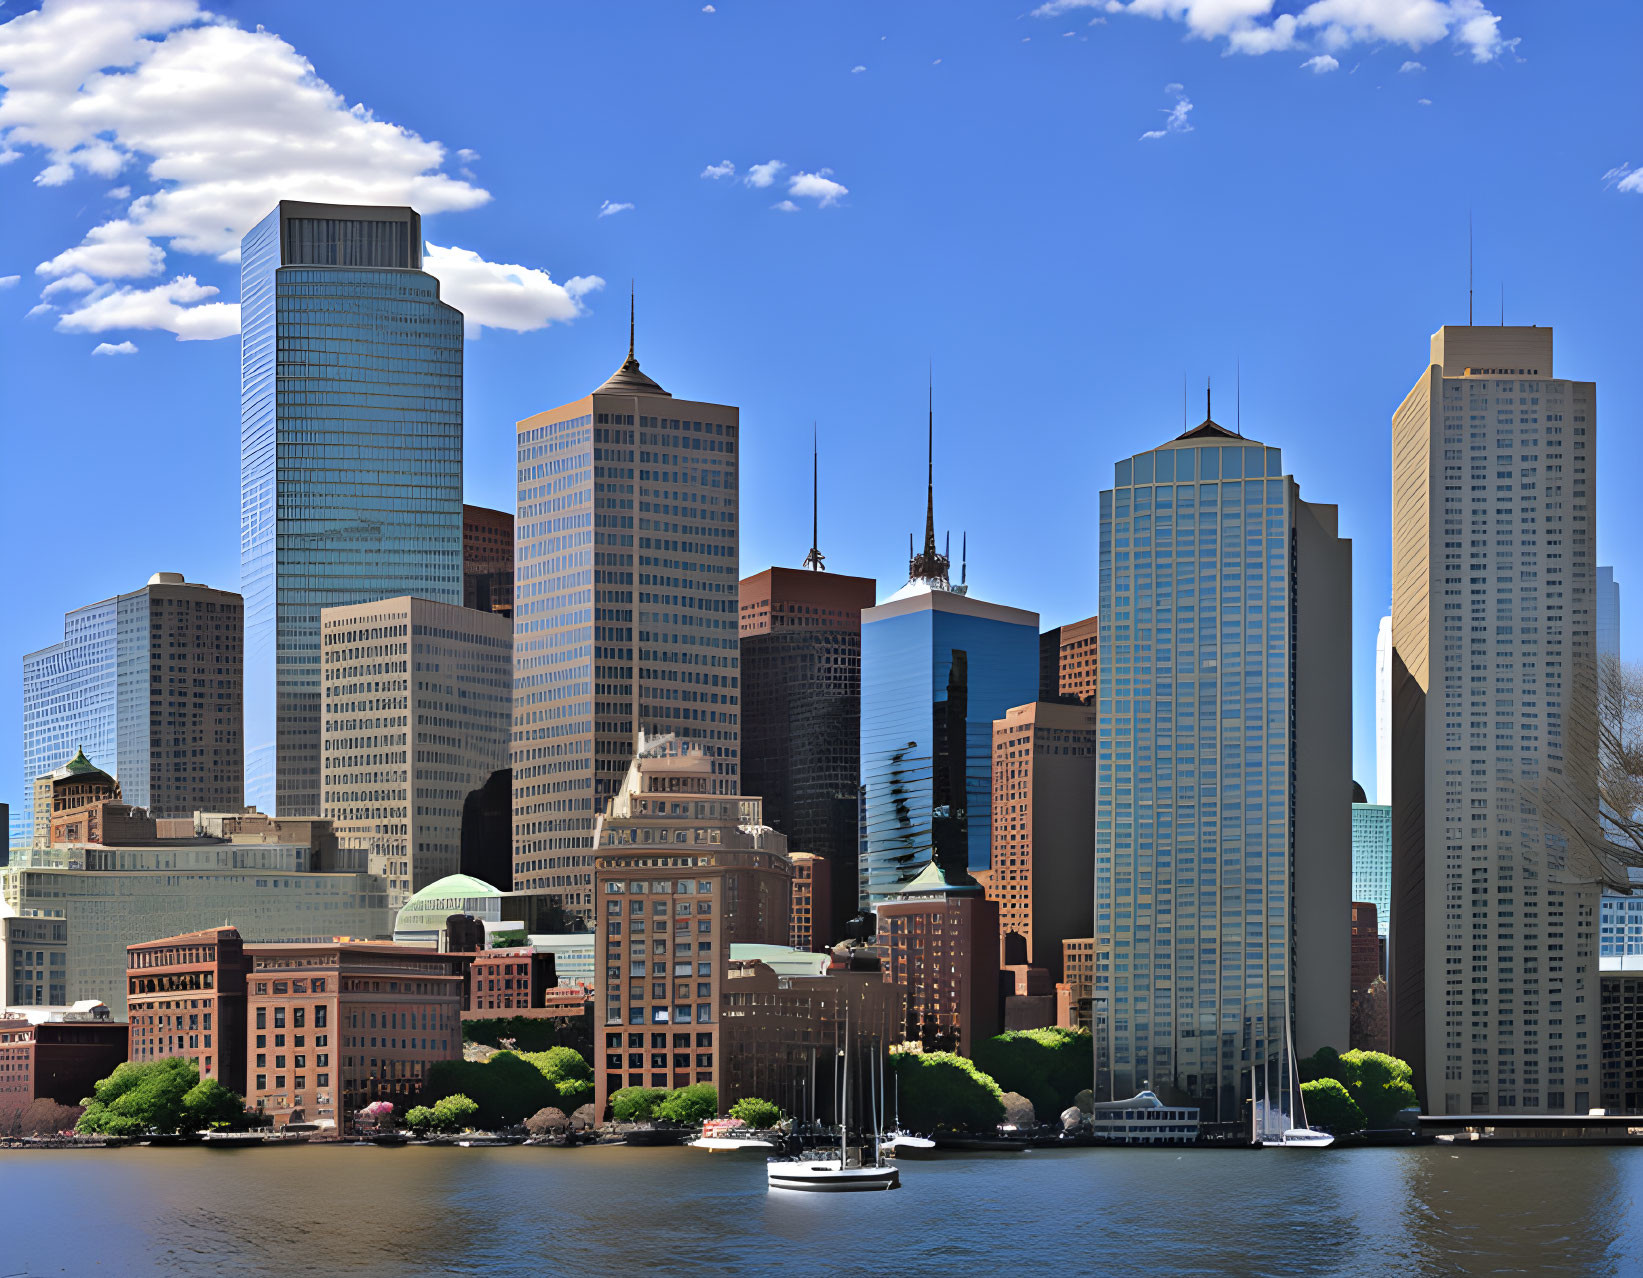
point(1383, 714)
point(487, 560)
point(937, 667)
point(801, 717)
point(1069, 661)
point(401, 754)
point(625, 605)
point(1223, 847)
point(1494, 803)
point(149, 684)
point(1372, 859)
point(350, 458)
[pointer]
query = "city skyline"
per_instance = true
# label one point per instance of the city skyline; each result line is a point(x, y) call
point(1156, 268)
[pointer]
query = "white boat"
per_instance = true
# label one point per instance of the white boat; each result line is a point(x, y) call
point(850, 1171)
point(904, 1142)
point(1280, 1134)
point(1144, 1119)
point(730, 1144)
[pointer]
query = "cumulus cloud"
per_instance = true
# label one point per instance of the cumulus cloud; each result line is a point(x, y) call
point(6, 281)
point(115, 348)
point(707, 8)
point(762, 175)
point(607, 207)
point(1175, 117)
point(724, 168)
point(1623, 177)
point(500, 295)
point(44, 308)
point(818, 186)
point(220, 122)
point(1252, 26)
point(785, 206)
point(1410, 68)
point(1320, 64)
point(857, 69)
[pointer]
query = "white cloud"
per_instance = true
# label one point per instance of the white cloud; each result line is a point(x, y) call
point(762, 175)
point(115, 348)
point(1423, 101)
point(724, 168)
point(6, 281)
point(179, 307)
point(1623, 177)
point(78, 282)
point(1320, 64)
point(936, 63)
point(1251, 26)
point(818, 186)
point(857, 70)
point(1175, 117)
point(606, 208)
point(1410, 68)
point(707, 8)
point(44, 308)
point(498, 295)
point(119, 193)
point(785, 206)
point(220, 122)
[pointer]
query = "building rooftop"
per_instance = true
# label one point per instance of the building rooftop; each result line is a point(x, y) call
point(628, 380)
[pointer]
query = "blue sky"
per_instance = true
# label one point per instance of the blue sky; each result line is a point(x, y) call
point(970, 186)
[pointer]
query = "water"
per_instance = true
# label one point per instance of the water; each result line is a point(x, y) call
point(519, 1211)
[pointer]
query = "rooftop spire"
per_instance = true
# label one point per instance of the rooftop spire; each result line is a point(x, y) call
point(931, 565)
point(628, 380)
point(630, 321)
point(814, 560)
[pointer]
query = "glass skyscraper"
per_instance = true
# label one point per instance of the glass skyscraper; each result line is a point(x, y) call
point(1223, 771)
point(350, 459)
point(70, 698)
point(1372, 859)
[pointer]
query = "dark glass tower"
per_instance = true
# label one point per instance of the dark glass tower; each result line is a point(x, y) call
point(350, 460)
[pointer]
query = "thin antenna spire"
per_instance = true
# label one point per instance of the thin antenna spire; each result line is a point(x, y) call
point(1503, 303)
point(814, 560)
point(964, 558)
point(1208, 416)
point(1238, 394)
point(630, 318)
point(1468, 268)
point(1185, 411)
point(930, 468)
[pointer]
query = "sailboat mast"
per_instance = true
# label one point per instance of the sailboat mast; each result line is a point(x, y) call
point(844, 1102)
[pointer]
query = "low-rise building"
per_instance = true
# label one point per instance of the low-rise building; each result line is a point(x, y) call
point(506, 981)
point(336, 1025)
point(185, 996)
point(59, 1054)
point(68, 802)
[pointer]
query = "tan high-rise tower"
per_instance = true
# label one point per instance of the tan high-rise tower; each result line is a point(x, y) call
point(625, 609)
point(1493, 953)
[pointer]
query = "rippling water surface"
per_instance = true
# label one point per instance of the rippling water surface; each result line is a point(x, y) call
point(369, 1211)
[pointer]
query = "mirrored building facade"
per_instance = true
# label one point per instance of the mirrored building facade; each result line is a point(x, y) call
point(350, 458)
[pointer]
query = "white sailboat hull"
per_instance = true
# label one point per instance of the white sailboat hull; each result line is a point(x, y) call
point(1300, 1138)
point(827, 1176)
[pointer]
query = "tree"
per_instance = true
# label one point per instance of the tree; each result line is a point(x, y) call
point(567, 1070)
point(689, 1105)
point(1329, 1105)
point(210, 1104)
point(755, 1112)
point(943, 1090)
point(1047, 1066)
point(507, 1088)
point(420, 1119)
point(455, 1114)
point(41, 1116)
point(1323, 1063)
point(533, 1034)
point(1378, 1084)
point(583, 1118)
point(138, 1098)
point(546, 1120)
point(635, 1104)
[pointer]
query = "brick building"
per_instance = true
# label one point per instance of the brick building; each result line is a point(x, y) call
point(812, 903)
point(487, 560)
point(185, 996)
point(68, 802)
point(1069, 663)
point(61, 1057)
point(510, 980)
point(940, 940)
point(334, 1026)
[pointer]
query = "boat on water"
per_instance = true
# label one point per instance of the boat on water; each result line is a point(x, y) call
point(731, 1144)
point(485, 1140)
point(1144, 1119)
point(1270, 1125)
point(900, 1144)
point(231, 1140)
point(654, 1136)
point(849, 1171)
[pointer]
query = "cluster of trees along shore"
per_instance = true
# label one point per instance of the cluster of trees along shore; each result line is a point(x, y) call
point(1020, 1076)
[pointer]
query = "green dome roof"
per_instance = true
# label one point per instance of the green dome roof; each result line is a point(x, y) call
point(452, 885)
point(79, 765)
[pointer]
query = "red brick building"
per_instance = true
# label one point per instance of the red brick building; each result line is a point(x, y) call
point(185, 996)
point(335, 1026)
point(62, 1059)
point(940, 941)
point(510, 980)
point(487, 560)
point(812, 903)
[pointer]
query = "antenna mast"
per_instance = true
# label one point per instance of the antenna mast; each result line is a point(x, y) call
point(815, 559)
point(1468, 268)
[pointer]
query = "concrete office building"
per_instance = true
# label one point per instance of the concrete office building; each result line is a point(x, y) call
point(1069, 662)
point(937, 667)
point(1383, 714)
point(416, 709)
point(1620, 1033)
point(1494, 797)
point(801, 717)
point(683, 871)
point(33, 961)
point(1043, 867)
point(1223, 841)
point(350, 458)
point(1372, 858)
point(150, 683)
point(487, 560)
point(625, 609)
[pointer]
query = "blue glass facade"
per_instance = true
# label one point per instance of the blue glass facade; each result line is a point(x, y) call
point(351, 459)
point(70, 697)
point(1195, 813)
point(936, 670)
point(1372, 859)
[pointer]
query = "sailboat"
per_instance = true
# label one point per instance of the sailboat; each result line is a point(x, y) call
point(901, 1143)
point(1262, 1112)
point(849, 1171)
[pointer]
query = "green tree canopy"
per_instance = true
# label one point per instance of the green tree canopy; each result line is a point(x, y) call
point(138, 1098)
point(533, 1034)
point(1047, 1066)
point(755, 1112)
point(420, 1119)
point(456, 1114)
point(689, 1105)
point(508, 1088)
point(210, 1104)
point(559, 1064)
point(944, 1090)
point(1330, 1105)
point(635, 1104)
point(1379, 1084)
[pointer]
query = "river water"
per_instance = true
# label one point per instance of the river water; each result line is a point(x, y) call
point(530, 1211)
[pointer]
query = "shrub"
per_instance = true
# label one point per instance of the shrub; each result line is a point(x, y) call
point(136, 1098)
point(1047, 1066)
point(689, 1105)
point(944, 1090)
point(533, 1034)
point(455, 1114)
point(420, 1119)
point(755, 1112)
point(584, 1118)
point(635, 1104)
point(1329, 1105)
point(507, 1088)
point(1379, 1084)
point(546, 1120)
